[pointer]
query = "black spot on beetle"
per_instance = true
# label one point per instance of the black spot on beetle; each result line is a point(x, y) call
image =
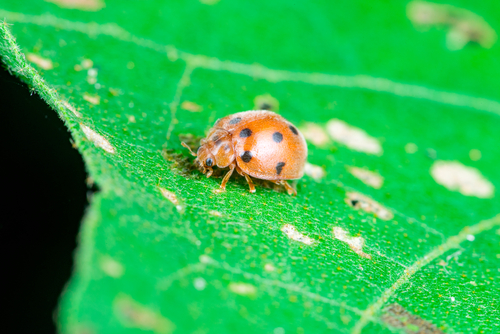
point(354, 202)
point(209, 162)
point(294, 129)
point(245, 133)
point(279, 167)
point(277, 137)
point(235, 120)
point(246, 156)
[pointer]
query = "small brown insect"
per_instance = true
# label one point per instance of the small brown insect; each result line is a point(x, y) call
point(256, 143)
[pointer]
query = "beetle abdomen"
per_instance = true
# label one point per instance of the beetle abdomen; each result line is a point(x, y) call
point(270, 148)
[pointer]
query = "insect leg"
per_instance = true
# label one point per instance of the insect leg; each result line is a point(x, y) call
point(227, 176)
point(210, 171)
point(290, 190)
point(250, 183)
point(247, 177)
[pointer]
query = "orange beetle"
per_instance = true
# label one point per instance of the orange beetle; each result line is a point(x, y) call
point(256, 143)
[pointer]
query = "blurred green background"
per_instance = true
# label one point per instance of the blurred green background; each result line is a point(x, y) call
point(398, 210)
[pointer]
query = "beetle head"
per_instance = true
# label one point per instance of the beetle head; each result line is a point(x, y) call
point(215, 150)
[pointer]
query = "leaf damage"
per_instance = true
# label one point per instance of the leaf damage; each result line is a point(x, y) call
point(354, 138)
point(356, 243)
point(468, 181)
point(133, 314)
point(97, 139)
point(85, 5)
point(368, 177)
point(172, 197)
point(43, 63)
point(291, 232)
point(397, 316)
point(362, 202)
point(463, 26)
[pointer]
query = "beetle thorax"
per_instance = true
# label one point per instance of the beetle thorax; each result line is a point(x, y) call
point(217, 148)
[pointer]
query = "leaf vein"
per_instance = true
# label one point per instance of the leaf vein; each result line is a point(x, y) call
point(366, 82)
point(450, 243)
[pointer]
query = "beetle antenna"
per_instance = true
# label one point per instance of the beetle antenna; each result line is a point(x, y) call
point(189, 148)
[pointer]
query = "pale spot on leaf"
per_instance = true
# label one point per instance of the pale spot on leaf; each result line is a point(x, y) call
point(352, 137)
point(97, 139)
point(425, 14)
point(293, 234)
point(359, 201)
point(315, 134)
point(86, 5)
point(470, 30)
point(475, 155)
point(87, 63)
point(243, 289)
point(92, 76)
point(314, 171)
point(458, 177)
point(269, 267)
point(215, 213)
point(205, 259)
point(94, 99)
point(115, 92)
point(470, 237)
point(368, 177)
point(111, 267)
point(200, 283)
point(191, 106)
point(72, 109)
point(356, 243)
point(209, 2)
point(172, 197)
point(411, 148)
point(172, 53)
point(41, 62)
point(134, 315)
point(463, 25)
point(345, 318)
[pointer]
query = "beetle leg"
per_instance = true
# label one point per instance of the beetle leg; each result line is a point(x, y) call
point(247, 177)
point(227, 176)
point(290, 190)
point(210, 171)
point(250, 183)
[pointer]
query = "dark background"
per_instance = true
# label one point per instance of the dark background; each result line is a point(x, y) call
point(45, 196)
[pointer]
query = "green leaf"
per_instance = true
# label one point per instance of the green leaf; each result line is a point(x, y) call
point(396, 225)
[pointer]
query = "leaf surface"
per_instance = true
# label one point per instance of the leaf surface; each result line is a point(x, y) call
point(395, 227)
